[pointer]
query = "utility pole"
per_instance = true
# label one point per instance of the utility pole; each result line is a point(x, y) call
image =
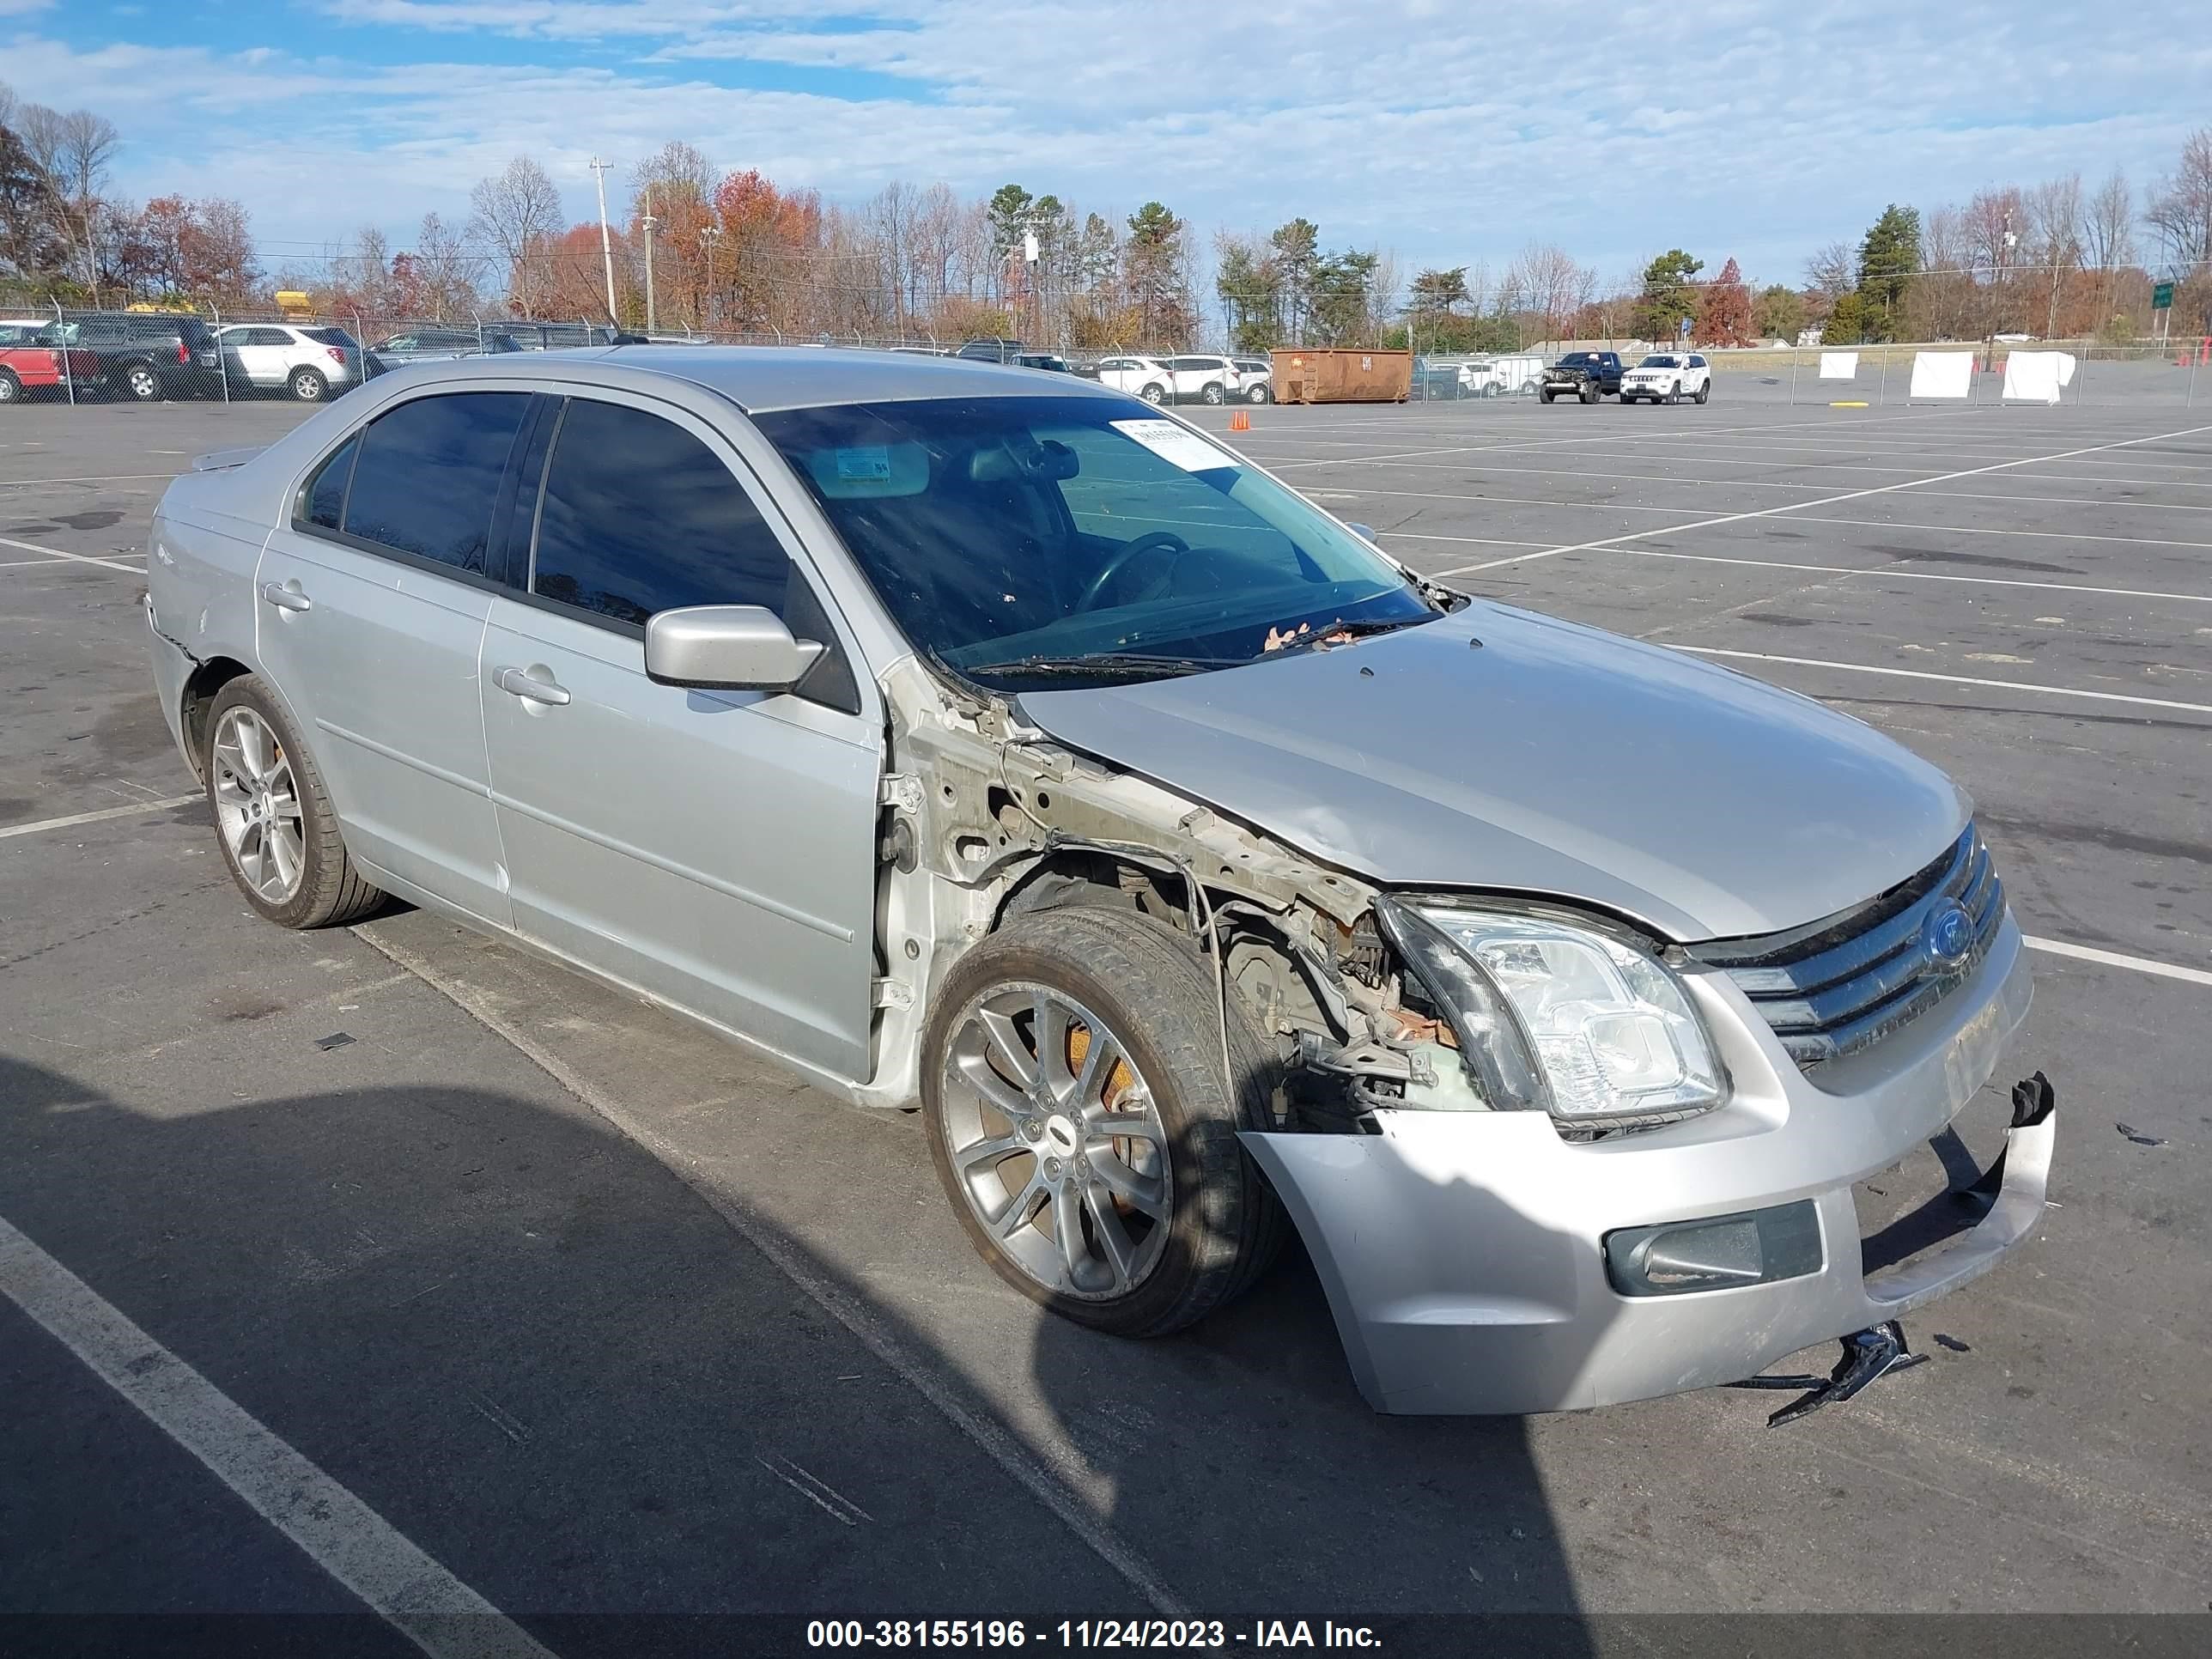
point(712, 236)
point(606, 245)
point(652, 318)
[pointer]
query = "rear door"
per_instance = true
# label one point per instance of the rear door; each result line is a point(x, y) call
point(716, 848)
point(372, 603)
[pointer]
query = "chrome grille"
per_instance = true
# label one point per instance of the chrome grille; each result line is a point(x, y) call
point(1841, 986)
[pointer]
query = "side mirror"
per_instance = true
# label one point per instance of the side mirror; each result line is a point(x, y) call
point(725, 648)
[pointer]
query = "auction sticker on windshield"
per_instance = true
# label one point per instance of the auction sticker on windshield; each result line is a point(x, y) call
point(1176, 444)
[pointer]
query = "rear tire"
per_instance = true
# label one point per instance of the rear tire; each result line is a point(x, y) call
point(326, 891)
point(140, 383)
point(1155, 393)
point(11, 387)
point(1212, 394)
point(1259, 394)
point(307, 386)
point(1204, 1221)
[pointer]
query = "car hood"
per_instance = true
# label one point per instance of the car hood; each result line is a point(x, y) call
point(1500, 751)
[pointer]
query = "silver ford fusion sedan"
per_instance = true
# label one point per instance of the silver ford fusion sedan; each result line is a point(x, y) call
point(950, 734)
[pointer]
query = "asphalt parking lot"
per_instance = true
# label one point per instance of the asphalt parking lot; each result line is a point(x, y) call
point(599, 1317)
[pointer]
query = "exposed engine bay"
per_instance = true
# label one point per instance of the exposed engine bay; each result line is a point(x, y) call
point(1012, 820)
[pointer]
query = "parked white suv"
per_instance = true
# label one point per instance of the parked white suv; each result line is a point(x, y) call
point(1149, 378)
point(306, 361)
point(1255, 378)
point(1669, 376)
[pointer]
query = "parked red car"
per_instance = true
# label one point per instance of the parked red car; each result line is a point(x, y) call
point(31, 356)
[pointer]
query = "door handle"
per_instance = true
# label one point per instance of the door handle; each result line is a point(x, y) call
point(285, 598)
point(516, 682)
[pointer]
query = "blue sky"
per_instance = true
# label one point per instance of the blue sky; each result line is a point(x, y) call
point(1450, 132)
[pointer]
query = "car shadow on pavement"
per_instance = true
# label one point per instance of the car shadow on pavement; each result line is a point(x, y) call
point(1289, 1497)
point(554, 1365)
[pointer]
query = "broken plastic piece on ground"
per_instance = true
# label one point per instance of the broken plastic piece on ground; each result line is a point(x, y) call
point(2139, 1139)
point(1868, 1354)
point(335, 1040)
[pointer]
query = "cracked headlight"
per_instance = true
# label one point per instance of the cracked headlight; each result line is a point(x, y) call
point(1556, 1017)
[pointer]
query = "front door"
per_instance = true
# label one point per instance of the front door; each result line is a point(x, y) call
point(716, 848)
point(372, 602)
point(259, 355)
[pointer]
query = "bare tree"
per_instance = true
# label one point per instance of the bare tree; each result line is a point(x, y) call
point(512, 211)
point(1833, 272)
point(2179, 207)
point(1546, 282)
point(442, 267)
point(2108, 240)
point(2054, 239)
point(6, 105)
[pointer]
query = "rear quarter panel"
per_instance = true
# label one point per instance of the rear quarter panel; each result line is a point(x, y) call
point(206, 541)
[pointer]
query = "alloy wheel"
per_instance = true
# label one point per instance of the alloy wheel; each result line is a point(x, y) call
point(257, 805)
point(1057, 1142)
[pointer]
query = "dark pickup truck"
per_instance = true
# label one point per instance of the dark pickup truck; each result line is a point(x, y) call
point(1589, 376)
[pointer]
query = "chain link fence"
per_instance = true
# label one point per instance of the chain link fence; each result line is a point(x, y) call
point(50, 353)
point(2020, 374)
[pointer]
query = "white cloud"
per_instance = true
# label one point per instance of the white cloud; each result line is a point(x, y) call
point(1449, 132)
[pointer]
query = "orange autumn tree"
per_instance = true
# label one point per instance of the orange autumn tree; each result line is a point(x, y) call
point(1724, 311)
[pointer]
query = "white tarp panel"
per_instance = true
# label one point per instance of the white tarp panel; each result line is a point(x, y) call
point(1839, 365)
point(1942, 373)
point(2037, 377)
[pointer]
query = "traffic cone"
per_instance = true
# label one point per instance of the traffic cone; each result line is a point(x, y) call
point(1240, 421)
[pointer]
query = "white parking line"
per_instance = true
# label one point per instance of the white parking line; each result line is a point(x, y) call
point(80, 558)
point(1614, 437)
point(105, 477)
point(1790, 507)
point(1483, 468)
point(136, 809)
point(2059, 947)
point(1830, 500)
point(1887, 570)
point(1949, 679)
point(338, 1532)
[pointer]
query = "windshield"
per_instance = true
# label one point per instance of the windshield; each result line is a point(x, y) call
point(1660, 362)
point(1018, 539)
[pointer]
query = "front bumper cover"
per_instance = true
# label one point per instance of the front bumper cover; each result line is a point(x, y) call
point(1462, 1253)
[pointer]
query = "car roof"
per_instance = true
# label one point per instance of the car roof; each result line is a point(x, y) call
point(762, 377)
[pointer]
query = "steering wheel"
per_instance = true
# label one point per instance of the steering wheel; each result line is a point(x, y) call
point(1118, 562)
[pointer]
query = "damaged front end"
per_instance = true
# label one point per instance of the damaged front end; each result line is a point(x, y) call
point(1541, 1159)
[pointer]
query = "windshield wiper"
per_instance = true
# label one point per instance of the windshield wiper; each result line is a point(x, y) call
point(1111, 665)
point(1341, 631)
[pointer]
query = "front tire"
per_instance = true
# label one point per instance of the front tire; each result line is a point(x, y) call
point(1544, 396)
point(273, 816)
point(1078, 1115)
point(1212, 394)
point(1704, 392)
point(1590, 394)
point(307, 386)
point(11, 387)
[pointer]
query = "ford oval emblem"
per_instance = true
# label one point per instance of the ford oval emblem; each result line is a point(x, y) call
point(1946, 937)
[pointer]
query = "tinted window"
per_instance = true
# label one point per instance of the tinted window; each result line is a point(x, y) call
point(325, 496)
point(336, 336)
point(428, 471)
point(640, 516)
